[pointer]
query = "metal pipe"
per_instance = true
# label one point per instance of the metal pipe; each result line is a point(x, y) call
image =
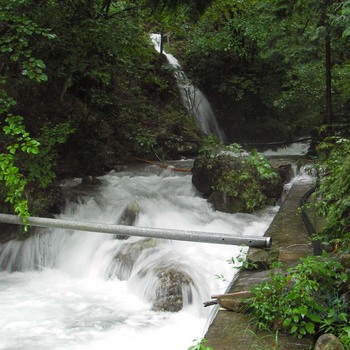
point(180, 235)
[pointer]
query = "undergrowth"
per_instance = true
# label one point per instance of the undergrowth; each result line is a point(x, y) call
point(304, 300)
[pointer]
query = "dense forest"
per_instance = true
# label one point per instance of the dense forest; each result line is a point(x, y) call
point(82, 87)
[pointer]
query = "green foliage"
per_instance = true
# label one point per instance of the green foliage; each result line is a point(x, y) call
point(167, 17)
point(333, 194)
point(18, 30)
point(304, 300)
point(302, 80)
point(200, 345)
point(241, 183)
point(264, 62)
point(241, 261)
point(41, 169)
point(16, 40)
point(10, 174)
point(245, 174)
point(227, 32)
point(212, 147)
point(262, 165)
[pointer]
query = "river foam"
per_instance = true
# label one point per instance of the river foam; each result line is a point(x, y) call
point(58, 289)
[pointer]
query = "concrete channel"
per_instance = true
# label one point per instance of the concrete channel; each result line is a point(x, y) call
point(291, 241)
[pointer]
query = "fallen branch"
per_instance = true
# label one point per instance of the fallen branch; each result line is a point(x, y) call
point(231, 301)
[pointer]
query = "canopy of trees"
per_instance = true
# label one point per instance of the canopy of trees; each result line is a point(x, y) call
point(81, 86)
point(278, 65)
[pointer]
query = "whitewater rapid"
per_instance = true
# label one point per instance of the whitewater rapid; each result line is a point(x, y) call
point(66, 290)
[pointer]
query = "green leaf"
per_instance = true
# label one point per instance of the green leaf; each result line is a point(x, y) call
point(310, 327)
point(314, 317)
point(303, 310)
point(40, 63)
point(287, 322)
point(294, 328)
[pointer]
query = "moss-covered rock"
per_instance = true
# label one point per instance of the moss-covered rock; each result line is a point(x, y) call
point(328, 342)
point(236, 183)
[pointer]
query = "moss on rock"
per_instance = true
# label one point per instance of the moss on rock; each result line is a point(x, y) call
point(236, 182)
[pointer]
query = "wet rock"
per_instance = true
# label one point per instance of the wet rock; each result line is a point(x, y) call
point(128, 217)
point(233, 184)
point(90, 181)
point(8, 233)
point(283, 167)
point(202, 178)
point(328, 342)
point(130, 214)
point(82, 192)
point(226, 203)
point(125, 259)
point(173, 286)
point(260, 259)
point(163, 283)
point(272, 189)
point(48, 201)
point(286, 172)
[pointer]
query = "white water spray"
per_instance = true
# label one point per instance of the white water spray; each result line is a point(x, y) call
point(194, 100)
point(79, 290)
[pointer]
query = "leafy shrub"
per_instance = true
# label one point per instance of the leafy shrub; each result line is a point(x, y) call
point(243, 177)
point(199, 345)
point(303, 301)
point(10, 175)
point(41, 170)
point(333, 194)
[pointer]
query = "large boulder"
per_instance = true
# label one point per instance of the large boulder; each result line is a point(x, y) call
point(130, 214)
point(154, 274)
point(162, 281)
point(124, 260)
point(128, 217)
point(328, 342)
point(173, 286)
point(234, 183)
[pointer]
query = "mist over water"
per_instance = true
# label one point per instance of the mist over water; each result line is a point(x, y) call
point(66, 290)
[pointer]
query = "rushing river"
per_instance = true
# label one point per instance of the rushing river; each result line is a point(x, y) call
point(63, 290)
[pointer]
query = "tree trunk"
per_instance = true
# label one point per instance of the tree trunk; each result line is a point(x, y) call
point(329, 109)
point(328, 65)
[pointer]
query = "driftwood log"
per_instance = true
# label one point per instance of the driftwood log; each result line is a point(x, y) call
point(231, 301)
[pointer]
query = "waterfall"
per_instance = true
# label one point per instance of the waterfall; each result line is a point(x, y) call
point(194, 100)
point(64, 289)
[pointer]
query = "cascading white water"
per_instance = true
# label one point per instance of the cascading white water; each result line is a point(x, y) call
point(293, 149)
point(71, 290)
point(194, 100)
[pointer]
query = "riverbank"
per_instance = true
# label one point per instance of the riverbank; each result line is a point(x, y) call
point(290, 242)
